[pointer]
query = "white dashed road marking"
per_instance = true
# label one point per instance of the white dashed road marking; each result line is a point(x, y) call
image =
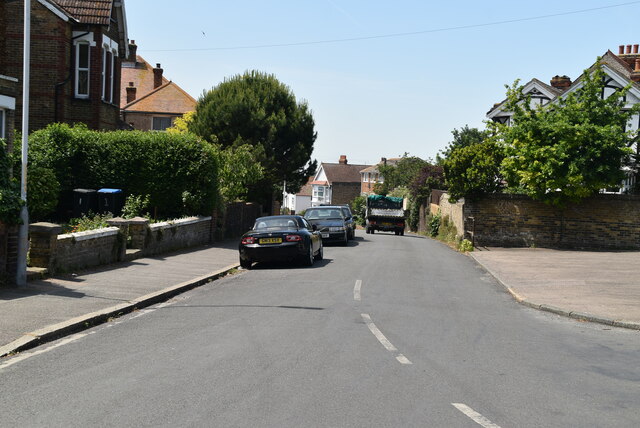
point(475, 416)
point(382, 339)
point(356, 290)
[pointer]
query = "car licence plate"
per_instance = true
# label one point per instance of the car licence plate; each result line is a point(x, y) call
point(325, 235)
point(270, 240)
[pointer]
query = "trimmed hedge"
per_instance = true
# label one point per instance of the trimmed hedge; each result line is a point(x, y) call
point(10, 202)
point(179, 172)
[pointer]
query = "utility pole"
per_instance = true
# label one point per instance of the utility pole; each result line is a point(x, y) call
point(23, 232)
point(284, 196)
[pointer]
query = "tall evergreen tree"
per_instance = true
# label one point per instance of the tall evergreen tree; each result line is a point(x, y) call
point(256, 109)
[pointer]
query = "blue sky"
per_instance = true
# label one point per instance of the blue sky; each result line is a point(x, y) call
point(381, 96)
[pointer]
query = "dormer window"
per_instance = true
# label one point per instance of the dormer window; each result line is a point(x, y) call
point(82, 70)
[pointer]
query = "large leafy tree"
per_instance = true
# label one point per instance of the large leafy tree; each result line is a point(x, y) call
point(256, 109)
point(399, 175)
point(569, 149)
point(463, 137)
point(239, 168)
point(473, 170)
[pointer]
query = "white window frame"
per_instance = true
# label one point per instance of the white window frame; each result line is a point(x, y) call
point(365, 177)
point(109, 47)
point(83, 69)
point(318, 193)
point(82, 38)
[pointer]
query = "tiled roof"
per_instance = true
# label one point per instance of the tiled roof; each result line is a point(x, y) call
point(88, 12)
point(307, 189)
point(343, 173)
point(390, 162)
point(142, 77)
point(168, 98)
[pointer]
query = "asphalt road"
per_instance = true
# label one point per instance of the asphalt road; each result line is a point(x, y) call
point(391, 331)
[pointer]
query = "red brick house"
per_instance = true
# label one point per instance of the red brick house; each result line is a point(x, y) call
point(371, 176)
point(148, 100)
point(76, 50)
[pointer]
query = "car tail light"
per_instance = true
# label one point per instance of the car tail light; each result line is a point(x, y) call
point(372, 222)
point(400, 224)
point(248, 240)
point(293, 238)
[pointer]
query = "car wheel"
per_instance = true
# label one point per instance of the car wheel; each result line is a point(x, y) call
point(373, 231)
point(320, 254)
point(402, 232)
point(245, 264)
point(345, 241)
point(308, 260)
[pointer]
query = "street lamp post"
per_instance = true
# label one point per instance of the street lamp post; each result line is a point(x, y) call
point(23, 232)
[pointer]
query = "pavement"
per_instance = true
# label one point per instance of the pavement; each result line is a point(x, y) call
point(601, 287)
point(47, 309)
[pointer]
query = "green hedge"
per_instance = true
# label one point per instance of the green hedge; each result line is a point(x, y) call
point(179, 172)
point(10, 202)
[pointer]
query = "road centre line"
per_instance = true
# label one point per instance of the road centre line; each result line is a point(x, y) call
point(356, 290)
point(25, 355)
point(475, 416)
point(383, 340)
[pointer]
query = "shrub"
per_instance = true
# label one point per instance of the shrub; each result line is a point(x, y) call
point(465, 246)
point(447, 231)
point(10, 202)
point(358, 208)
point(89, 221)
point(433, 220)
point(135, 206)
point(178, 172)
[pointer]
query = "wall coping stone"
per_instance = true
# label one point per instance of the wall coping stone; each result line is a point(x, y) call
point(44, 227)
point(179, 222)
point(90, 234)
point(117, 220)
point(137, 220)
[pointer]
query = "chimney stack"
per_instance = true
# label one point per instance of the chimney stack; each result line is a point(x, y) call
point(157, 76)
point(561, 82)
point(629, 55)
point(635, 74)
point(131, 93)
point(383, 161)
point(343, 160)
point(133, 50)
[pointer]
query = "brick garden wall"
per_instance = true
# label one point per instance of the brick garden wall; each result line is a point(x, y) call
point(79, 250)
point(610, 222)
point(170, 236)
point(86, 249)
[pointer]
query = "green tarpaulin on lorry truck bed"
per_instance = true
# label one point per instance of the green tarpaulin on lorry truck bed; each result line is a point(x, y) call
point(381, 198)
point(387, 202)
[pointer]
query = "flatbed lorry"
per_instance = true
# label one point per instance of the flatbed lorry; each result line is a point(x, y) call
point(384, 213)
